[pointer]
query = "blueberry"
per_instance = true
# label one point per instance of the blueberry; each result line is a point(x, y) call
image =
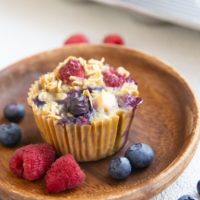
point(77, 104)
point(10, 134)
point(38, 102)
point(14, 112)
point(198, 187)
point(119, 168)
point(128, 100)
point(186, 197)
point(71, 120)
point(140, 155)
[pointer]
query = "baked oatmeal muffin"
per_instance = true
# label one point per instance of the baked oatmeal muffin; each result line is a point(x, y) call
point(84, 107)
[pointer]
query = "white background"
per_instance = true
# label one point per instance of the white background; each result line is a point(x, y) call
point(31, 26)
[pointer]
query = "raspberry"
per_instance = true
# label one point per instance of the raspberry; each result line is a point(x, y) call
point(72, 68)
point(32, 161)
point(76, 38)
point(82, 120)
point(64, 174)
point(113, 79)
point(113, 39)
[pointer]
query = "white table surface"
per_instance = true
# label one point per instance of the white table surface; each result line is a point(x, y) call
point(31, 26)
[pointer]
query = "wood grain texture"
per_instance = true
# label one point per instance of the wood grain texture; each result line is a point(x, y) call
point(168, 120)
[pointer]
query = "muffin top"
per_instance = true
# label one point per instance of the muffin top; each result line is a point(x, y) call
point(81, 91)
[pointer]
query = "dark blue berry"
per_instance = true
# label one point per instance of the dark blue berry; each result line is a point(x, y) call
point(140, 155)
point(128, 100)
point(14, 112)
point(74, 120)
point(10, 134)
point(186, 197)
point(119, 168)
point(77, 104)
point(38, 103)
point(96, 88)
point(198, 187)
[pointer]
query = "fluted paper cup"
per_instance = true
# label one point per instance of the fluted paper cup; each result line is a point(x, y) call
point(87, 142)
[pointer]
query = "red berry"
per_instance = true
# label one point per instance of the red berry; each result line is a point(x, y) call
point(64, 174)
point(113, 39)
point(32, 161)
point(76, 38)
point(72, 68)
point(113, 79)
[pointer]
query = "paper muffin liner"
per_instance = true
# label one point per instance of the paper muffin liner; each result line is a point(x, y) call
point(87, 142)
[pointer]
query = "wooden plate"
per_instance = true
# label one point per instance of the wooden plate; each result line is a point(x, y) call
point(168, 120)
